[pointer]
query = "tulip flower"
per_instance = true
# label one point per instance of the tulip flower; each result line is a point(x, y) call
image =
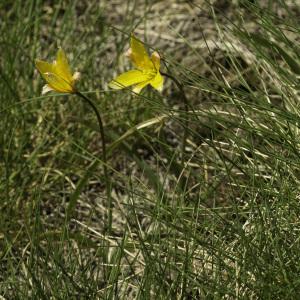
point(58, 74)
point(146, 72)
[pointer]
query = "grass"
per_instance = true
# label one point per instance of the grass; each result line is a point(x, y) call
point(218, 219)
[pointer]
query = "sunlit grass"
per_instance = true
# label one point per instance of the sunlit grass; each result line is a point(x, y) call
point(205, 193)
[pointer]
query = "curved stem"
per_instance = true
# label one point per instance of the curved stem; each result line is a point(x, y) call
point(186, 108)
point(107, 181)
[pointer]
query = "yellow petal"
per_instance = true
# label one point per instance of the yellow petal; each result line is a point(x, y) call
point(137, 88)
point(139, 55)
point(62, 66)
point(156, 60)
point(44, 67)
point(157, 82)
point(57, 83)
point(129, 78)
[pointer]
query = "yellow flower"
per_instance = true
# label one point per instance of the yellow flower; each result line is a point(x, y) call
point(146, 72)
point(58, 74)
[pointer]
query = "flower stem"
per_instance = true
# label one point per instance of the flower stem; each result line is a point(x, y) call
point(186, 108)
point(104, 157)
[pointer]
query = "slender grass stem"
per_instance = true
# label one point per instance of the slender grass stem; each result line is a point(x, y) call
point(186, 108)
point(104, 157)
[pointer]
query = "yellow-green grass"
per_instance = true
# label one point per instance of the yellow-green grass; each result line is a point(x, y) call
point(215, 219)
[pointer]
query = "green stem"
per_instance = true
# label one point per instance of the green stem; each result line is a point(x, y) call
point(186, 108)
point(107, 181)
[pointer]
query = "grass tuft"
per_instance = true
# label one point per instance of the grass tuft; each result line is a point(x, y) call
point(205, 190)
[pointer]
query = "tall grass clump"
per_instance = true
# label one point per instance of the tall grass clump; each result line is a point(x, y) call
point(203, 176)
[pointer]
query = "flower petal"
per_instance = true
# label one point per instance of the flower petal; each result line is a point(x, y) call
point(129, 78)
point(44, 67)
point(62, 66)
point(156, 60)
point(139, 55)
point(157, 82)
point(138, 87)
point(76, 76)
point(57, 83)
point(46, 88)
